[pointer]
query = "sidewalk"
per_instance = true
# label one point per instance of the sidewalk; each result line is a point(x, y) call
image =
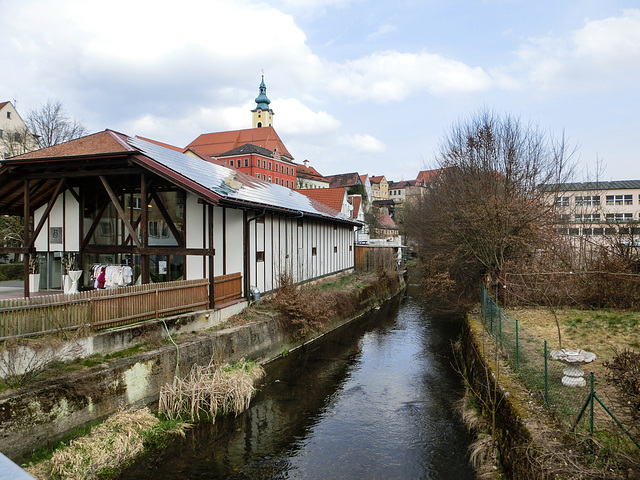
point(15, 289)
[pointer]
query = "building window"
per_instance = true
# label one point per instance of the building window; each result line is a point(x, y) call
point(287, 183)
point(314, 251)
point(8, 114)
point(335, 249)
point(269, 177)
point(562, 201)
point(260, 256)
point(282, 182)
point(276, 165)
point(563, 218)
point(269, 165)
point(264, 163)
point(588, 201)
point(587, 217)
point(619, 217)
point(246, 162)
point(619, 200)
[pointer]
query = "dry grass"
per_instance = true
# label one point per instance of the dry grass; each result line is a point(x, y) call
point(604, 332)
point(209, 390)
point(116, 441)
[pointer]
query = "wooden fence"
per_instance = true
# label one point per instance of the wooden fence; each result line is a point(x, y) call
point(227, 287)
point(374, 258)
point(100, 308)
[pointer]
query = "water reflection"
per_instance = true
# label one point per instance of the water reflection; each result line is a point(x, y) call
point(372, 400)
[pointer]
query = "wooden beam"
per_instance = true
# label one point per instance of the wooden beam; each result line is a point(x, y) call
point(84, 173)
point(163, 210)
point(119, 209)
point(47, 211)
point(94, 225)
point(25, 236)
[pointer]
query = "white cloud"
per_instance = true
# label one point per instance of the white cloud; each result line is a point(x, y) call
point(606, 49)
point(392, 76)
point(294, 118)
point(383, 30)
point(363, 143)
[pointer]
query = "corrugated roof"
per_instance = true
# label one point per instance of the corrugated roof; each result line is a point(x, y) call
point(593, 186)
point(217, 143)
point(232, 185)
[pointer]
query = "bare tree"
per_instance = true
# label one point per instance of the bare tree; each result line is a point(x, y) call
point(17, 141)
point(51, 124)
point(485, 207)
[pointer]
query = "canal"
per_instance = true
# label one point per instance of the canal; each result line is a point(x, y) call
point(373, 400)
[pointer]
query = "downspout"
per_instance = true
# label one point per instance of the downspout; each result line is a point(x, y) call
point(247, 266)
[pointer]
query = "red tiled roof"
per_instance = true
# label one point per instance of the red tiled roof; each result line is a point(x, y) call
point(217, 143)
point(376, 179)
point(2, 104)
point(427, 176)
point(165, 145)
point(332, 197)
point(309, 172)
point(386, 221)
point(97, 143)
point(363, 178)
point(356, 201)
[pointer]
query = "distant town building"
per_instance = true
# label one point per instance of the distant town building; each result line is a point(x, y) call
point(15, 138)
point(309, 177)
point(379, 188)
point(257, 151)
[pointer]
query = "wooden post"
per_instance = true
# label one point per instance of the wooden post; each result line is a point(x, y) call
point(26, 236)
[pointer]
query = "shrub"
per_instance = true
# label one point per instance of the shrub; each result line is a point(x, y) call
point(11, 271)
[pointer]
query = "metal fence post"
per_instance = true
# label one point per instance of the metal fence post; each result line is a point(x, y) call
point(546, 375)
point(517, 347)
point(591, 406)
point(500, 322)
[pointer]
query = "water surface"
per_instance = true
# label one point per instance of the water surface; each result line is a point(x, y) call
point(373, 400)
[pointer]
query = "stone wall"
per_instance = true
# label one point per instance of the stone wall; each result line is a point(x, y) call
point(33, 417)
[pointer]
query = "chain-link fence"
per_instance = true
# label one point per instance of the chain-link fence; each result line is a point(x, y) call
point(576, 408)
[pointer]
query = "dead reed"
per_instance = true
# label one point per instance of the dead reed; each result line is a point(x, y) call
point(209, 390)
point(105, 449)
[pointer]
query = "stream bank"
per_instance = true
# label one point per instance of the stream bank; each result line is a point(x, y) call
point(35, 416)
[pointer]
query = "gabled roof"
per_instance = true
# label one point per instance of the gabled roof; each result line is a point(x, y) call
point(96, 144)
point(248, 149)
point(331, 197)
point(210, 181)
point(217, 143)
point(363, 178)
point(166, 145)
point(2, 104)
point(344, 180)
point(427, 176)
point(376, 179)
point(385, 221)
point(304, 171)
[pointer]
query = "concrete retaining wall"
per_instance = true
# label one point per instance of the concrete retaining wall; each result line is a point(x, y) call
point(33, 417)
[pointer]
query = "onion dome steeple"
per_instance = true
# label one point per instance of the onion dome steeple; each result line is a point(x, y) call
point(262, 114)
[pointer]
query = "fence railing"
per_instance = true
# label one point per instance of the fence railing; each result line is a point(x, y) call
point(100, 308)
point(529, 357)
point(227, 287)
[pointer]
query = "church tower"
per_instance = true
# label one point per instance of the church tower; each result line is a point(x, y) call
point(262, 114)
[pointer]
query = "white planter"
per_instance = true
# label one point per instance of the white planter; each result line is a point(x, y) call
point(34, 282)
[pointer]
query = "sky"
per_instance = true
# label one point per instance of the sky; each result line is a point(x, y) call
point(356, 85)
